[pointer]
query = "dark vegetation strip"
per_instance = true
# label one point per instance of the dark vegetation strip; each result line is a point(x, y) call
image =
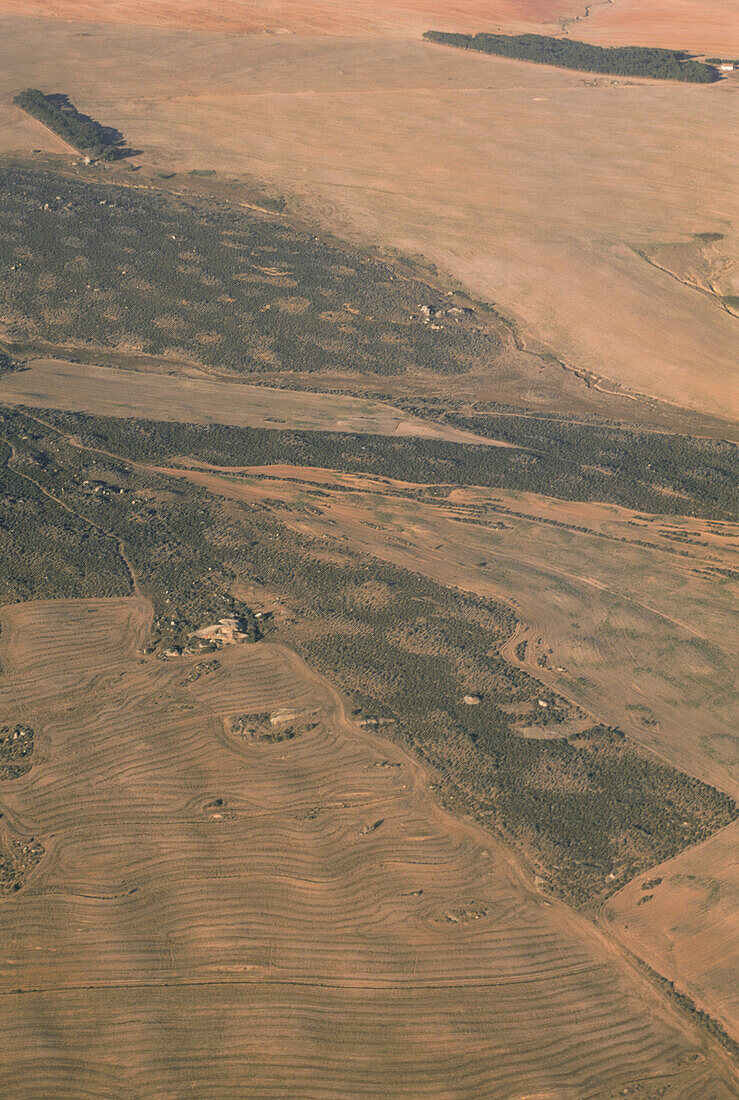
point(16, 751)
point(641, 470)
point(82, 132)
point(404, 647)
point(567, 53)
point(125, 269)
point(688, 1005)
point(45, 552)
point(8, 363)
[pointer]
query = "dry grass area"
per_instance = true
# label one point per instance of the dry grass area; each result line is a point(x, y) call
point(213, 882)
point(679, 24)
point(543, 191)
point(638, 635)
point(320, 17)
point(107, 391)
point(711, 27)
point(215, 915)
point(681, 919)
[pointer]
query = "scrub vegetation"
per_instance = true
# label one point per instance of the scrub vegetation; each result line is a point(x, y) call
point(560, 458)
point(145, 272)
point(591, 812)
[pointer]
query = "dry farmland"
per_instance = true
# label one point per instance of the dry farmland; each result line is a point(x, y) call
point(681, 919)
point(677, 23)
point(548, 193)
point(316, 17)
point(368, 556)
point(220, 913)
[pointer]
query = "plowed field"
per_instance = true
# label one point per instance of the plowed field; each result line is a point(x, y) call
point(218, 915)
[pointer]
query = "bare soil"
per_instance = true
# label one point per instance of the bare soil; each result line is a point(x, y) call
point(682, 919)
point(668, 23)
point(319, 17)
point(218, 915)
point(107, 391)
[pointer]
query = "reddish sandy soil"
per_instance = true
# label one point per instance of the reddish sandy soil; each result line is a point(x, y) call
point(709, 27)
point(219, 917)
point(325, 930)
point(686, 926)
point(382, 17)
point(49, 383)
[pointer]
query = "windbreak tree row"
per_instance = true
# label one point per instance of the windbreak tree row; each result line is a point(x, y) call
point(84, 133)
point(566, 53)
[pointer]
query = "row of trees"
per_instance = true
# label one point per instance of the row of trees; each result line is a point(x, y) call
point(84, 133)
point(567, 53)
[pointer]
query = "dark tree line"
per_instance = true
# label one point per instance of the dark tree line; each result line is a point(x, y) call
point(84, 133)
point(568, 54)
point(569, 460)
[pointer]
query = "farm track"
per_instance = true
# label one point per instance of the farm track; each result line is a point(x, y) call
point(201, 882)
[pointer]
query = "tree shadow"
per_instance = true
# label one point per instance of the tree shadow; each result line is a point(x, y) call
point(109, 135)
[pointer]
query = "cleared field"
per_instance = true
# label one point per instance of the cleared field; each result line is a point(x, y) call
point(682, 920)
point(675, 23)
point(21, 131)
point(638, 635)
point(51, 384)
point(399, 17)
point(439, 153)
point(221, 916)
point(710, 28)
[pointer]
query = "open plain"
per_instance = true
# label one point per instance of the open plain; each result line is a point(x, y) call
point(682, 920)
point(677, 24)
point(52, 384)
point(542, 191)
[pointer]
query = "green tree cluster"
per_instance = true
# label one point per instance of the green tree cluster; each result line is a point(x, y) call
point(84, 133)
point(567, 53)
